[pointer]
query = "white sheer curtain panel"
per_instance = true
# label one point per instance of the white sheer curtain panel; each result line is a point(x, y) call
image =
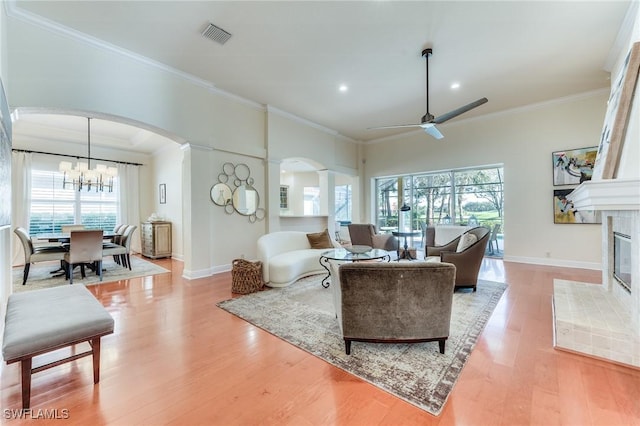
point(20, 200)
point(129, 202)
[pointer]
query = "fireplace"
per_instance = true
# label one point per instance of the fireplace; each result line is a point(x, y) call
point(622, 260)
point(603, 321)
point(619, 202)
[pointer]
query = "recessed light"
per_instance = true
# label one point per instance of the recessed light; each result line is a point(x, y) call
point(455, 85)
point(343, 88)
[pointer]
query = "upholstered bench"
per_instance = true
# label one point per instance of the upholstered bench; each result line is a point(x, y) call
point(42, 321)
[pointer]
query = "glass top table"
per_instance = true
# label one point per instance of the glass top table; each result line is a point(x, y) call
point(343, 255)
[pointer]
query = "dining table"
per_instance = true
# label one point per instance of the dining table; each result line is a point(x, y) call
point(65, 238)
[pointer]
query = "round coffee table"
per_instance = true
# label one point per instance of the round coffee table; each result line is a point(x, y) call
point(341, 254)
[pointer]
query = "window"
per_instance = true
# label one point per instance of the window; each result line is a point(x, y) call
point(53, 206)
point(387, 202)
point(343, 203)
point(284, 197)
point(311, 200)
point(463, 197)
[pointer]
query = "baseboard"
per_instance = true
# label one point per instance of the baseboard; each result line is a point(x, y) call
point(222, 268)
point(554, 262)
point(194, 275)
point(203, 273)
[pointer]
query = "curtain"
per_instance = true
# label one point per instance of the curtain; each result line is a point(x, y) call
point(129, 201)
point(20, 200)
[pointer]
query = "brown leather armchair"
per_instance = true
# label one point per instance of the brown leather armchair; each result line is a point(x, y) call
point(467, 261)
point(365, 234)
point(393, 301)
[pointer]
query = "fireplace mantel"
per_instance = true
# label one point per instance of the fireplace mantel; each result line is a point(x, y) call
point(609, 194)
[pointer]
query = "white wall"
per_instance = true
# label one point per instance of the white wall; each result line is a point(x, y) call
point(6, 232)
point(297, 182)
point(166, 168)
point(289, 136)
point(51, 70)
point(523, 141)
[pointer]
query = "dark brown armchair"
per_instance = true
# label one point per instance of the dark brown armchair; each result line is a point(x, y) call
point(467, 256)
point(365, 234)
point(393, 301)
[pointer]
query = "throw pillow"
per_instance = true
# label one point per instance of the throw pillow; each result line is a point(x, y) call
point(466, 240)
point(320, 240)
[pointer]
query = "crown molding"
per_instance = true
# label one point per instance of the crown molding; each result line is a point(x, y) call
point(516, 110)
point(13, 11)
point(276, 111)
point(194, 146)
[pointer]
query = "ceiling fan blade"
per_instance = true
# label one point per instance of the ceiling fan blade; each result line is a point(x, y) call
point(398, 126)
point(461, 110)
point(431, 129)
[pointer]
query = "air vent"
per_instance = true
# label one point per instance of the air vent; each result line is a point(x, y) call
point(216, 34)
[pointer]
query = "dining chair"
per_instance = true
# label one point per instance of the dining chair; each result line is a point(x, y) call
point(36, 254)
point(118, 230)
point(493, 238)
point(85, 248)
point(74, 227)
point(66, 229)
point(121, 250)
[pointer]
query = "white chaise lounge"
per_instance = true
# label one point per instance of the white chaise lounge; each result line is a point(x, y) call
point(287, 256)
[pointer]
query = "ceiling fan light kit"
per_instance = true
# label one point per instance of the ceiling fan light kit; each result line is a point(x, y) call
point(429, 121)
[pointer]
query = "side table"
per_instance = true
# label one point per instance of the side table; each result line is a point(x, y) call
point(406, 254)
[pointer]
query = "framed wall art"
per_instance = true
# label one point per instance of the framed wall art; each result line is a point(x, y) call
point(163, 193)
point(573, 166)
point(565, 212)
point(617, 116)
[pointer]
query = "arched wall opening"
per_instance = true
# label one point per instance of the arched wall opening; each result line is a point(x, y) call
point(313, 198)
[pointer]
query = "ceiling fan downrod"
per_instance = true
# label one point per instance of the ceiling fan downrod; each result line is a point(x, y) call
point(426, 53)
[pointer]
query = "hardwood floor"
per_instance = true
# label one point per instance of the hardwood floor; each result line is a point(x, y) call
point(175, 358)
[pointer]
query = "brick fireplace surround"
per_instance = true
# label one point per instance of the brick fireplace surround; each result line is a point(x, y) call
point(603, 321)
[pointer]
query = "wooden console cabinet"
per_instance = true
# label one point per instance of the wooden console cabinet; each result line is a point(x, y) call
point(156, 239)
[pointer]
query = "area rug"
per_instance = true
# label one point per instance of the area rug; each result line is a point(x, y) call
point(303, 315)
point(40, 274)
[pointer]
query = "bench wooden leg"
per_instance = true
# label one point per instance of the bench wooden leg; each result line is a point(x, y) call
point(26, 382)
point(95, 348)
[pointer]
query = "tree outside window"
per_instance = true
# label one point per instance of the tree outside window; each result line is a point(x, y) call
point(473, 196)
point(53, 206)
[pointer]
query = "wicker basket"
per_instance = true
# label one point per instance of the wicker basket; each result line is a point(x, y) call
point(246, 276)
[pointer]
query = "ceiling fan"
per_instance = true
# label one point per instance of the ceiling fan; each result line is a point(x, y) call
point(428, 122)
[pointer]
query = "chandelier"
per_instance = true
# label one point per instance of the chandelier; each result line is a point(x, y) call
point(82, 176)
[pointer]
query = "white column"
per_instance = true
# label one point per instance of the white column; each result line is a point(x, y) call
point(272, 202)
point(327, 181)
point(195, 211)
